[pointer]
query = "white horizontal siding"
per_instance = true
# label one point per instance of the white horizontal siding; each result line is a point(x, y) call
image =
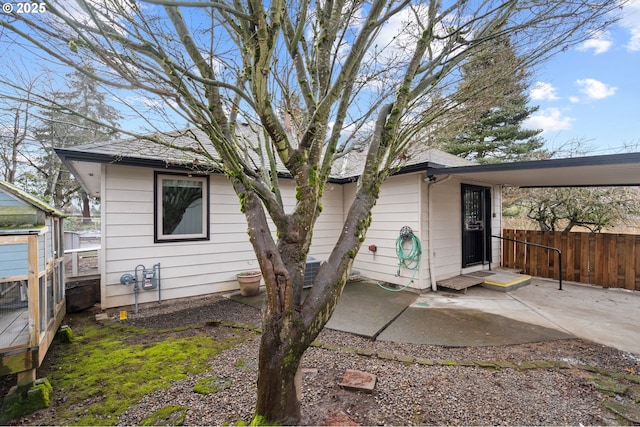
point(447, 226)
point(425, 272)
point(446, 208)
point(187, 268)
point(201, 267)
point(397, 206)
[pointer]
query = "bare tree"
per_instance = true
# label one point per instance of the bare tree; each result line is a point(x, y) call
point(341, 72)
point(15, 118)
point(563, 209)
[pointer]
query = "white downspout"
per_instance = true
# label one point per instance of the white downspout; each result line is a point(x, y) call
point(430, 183)
point(497, 205)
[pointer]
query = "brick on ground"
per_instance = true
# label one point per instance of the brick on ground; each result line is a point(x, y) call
point(358, 380)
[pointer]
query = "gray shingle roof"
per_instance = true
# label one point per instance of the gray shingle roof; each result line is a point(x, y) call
point(144, 152)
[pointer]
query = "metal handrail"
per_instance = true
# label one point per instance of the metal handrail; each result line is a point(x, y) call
point(537, 245)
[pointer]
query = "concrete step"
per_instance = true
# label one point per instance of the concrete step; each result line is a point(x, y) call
point(499, 280)
point(510, 270)
point(505, 281)
point(459, 283)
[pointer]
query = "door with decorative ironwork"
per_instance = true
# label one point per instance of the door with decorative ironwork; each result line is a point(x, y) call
point(476, 225)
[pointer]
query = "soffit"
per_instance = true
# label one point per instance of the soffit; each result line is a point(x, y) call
point(594, 171)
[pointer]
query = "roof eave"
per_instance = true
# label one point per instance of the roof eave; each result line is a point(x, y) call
point(613, 170)
point(72, 155)
point(31, 200)
point(68, 156)
point(602, 160)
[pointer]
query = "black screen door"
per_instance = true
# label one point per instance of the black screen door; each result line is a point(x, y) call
point(476, 225)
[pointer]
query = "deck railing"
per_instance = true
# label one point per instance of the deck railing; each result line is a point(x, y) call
point(77, 255)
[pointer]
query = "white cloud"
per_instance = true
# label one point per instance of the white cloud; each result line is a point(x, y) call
point(111, 13)
point(142, 101)
point(595, 89)
point(631, 21)
point(599, 43)
point(549, 120)
point(396, 31)
point(574, 99)
point(634, 41)
point(542, 91)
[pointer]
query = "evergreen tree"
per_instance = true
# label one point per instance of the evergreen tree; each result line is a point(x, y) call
point(77, 116)
point(489, 130)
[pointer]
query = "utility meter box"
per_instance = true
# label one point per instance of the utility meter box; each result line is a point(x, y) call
point(149, 277)
point(143, 278)
point(149, 280)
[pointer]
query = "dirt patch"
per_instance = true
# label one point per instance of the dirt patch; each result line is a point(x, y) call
point(218, 333)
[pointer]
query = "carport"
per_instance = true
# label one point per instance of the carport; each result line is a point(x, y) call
point(611, 170)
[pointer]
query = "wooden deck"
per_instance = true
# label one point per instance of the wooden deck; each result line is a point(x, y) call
point(14, 328)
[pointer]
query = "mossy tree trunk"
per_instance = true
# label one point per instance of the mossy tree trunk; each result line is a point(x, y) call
point(290, 325)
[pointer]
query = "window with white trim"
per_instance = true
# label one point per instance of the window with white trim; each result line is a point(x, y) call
point(181, 207)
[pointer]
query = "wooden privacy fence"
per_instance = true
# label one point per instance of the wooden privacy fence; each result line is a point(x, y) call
point(603, 259)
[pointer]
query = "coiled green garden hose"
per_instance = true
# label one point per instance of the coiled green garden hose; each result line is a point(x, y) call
point(409, 259)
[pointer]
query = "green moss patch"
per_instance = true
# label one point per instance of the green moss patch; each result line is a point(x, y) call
point(212, 385)
point(259, 420)
point(246, 365)
point(107, 368)
point(167, 416)
point(17, 405)
point(608, 386)
point(629, 412)
point(65, 334)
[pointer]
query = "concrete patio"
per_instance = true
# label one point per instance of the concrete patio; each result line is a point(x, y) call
point(483, 317)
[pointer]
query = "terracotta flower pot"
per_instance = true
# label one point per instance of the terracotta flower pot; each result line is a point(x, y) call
point(249, 282)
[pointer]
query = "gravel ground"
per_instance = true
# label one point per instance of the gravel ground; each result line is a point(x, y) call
point(549, 383)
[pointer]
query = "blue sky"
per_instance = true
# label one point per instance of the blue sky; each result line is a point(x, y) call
point(591, 93)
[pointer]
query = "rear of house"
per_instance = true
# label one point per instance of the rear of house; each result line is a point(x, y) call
point(203, 254)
